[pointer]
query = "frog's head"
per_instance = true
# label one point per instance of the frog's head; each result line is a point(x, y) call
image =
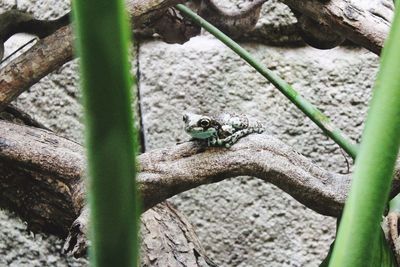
point(199, 126)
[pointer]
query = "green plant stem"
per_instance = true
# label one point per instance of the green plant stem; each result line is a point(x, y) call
point(311, 111)
point(103, 40)
point(359, 227)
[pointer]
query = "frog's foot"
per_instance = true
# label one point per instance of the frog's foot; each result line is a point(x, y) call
point(237, 135)
point(226, 142)
point(231, 140)
point(212, 141)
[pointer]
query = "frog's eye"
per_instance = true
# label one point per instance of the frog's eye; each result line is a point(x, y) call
point(204, 122)
point(185, 118)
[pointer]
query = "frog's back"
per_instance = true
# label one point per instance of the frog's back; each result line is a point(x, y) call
point(238, 121)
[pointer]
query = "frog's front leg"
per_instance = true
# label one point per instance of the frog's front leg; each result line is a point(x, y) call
point(212, 141)
point(232, 139)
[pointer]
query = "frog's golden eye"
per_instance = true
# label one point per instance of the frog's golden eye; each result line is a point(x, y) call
point(204, 122)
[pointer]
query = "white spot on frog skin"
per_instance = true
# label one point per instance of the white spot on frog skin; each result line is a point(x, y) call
point(235, 122)
point(228, 128)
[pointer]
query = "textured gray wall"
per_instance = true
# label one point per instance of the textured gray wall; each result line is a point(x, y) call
point(53, 101)
point(242, 222)
point(245, 222)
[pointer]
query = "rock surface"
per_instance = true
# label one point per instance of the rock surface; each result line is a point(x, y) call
point(246, 222)
point(242, 222)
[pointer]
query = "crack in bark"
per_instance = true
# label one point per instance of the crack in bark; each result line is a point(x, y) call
point(166, 172)
point(36, 161)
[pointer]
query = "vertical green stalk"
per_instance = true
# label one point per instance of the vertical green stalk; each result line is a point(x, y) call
point(103, 40)
point(359, 227)
point(311, 111)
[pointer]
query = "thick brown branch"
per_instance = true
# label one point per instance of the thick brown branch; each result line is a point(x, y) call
point(365, 23)
point(53, 51)
point(47, 55)
point(15, 21)
point(167, 172)
point(167, 239)
point(143, 12)
point(41, 177)
point(236, 23)
point(365, 26)
point(55, 161)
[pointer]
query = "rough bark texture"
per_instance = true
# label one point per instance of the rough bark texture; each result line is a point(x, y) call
point(41, 176)
point(26, 70)
point(235, 24)
point(36, 181)
point(14, 21)
point(144, 11)
point(168, 239)
point(366, 25)
point(56, 49)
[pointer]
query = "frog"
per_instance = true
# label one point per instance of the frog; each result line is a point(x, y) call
point(222, 130)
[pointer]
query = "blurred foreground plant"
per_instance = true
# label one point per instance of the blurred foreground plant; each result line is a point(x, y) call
point(359, 229)
point(103, 40)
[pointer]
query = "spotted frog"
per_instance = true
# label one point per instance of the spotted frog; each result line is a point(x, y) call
point(224, 129)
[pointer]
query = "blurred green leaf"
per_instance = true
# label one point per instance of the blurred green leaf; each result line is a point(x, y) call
point(102, 41)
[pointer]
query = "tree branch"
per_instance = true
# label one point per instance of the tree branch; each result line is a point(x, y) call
point(51, 52)
point(234, 24)
point(41, 177)
point(365, 23)
point(324, 24)
point(15, 21)
point(41, 186)
point(367, 26)
point(45, 56)
point(31, 157)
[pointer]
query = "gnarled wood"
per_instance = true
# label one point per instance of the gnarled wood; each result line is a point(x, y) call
point(56, 49)
point(366, 26)
point(234, 24)
point(41, 175)
point(45, 56)
point(365, 23)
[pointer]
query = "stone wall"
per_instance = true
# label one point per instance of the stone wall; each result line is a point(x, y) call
point(242, 222)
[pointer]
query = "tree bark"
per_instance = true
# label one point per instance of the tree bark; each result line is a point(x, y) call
point(42, 188)
point(47, 55)
point(41, 176)
point(366, 27)
point(167, 239)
